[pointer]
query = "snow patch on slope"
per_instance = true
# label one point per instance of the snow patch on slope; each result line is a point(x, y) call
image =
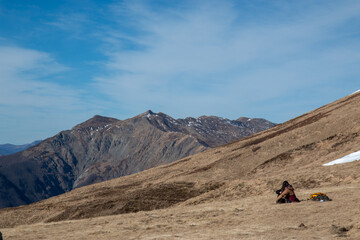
point(355, 156)
point(355, 92)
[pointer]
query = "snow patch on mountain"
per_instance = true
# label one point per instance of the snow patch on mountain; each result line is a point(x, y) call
point(355, 156)
point(355, 92)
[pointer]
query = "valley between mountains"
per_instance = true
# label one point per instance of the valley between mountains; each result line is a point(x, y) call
point(226, 192)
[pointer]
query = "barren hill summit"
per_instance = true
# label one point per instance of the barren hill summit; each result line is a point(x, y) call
point(222, 193)
point(95, 122)
point(103, 148)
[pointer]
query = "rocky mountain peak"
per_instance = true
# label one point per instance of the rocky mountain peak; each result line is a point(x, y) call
point(162, 121)
point(104, 148)
point(95, 122)
point(149, 113)
point(243, 119)
point(198, 186)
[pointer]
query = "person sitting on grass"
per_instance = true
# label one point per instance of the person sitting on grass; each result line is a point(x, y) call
point(286, 194)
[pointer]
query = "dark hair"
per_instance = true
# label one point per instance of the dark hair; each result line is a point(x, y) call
point(284, 185)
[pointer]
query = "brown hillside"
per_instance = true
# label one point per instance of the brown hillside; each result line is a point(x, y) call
point(226, 192)
point(103, 148)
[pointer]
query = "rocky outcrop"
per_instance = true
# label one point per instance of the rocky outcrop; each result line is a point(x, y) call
point(105, 148)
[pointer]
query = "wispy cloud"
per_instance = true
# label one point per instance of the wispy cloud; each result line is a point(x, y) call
point(203, 58)
point(22, 70)
point(75, 23)
point(30, 103)
point(272, 59)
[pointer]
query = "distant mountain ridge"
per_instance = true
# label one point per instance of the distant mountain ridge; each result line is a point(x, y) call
point(220, 191)
point(103, 148)
point(6, 149)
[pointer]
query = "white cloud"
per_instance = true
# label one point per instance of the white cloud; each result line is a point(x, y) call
point(22, 71)
point(203, 52)
point(75, 22)
point(32, 106)
point(187, 58)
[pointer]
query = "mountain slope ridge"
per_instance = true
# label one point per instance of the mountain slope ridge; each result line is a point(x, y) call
point(294, 151)
point(103, 148)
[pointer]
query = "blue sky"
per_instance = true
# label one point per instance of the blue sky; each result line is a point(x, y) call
point(61, 62)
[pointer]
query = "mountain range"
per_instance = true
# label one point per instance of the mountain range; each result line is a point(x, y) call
point(223, 193)
point(103, 148)
point(6, 149)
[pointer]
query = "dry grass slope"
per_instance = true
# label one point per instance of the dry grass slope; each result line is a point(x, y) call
point(223, 193)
